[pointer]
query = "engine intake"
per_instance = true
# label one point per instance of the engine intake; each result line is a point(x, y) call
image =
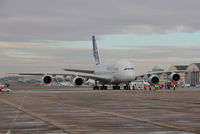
point(153, 79)
point(47, 79)
point(174, 77)
point(79, 81)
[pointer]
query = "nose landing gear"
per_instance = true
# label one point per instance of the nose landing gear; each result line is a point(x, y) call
point(115, 87)
point(127, 87)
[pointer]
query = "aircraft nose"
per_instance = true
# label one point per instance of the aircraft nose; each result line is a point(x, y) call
point(130, 75)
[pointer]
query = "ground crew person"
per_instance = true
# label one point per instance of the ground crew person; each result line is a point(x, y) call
point(149, 87)
point(145, 87)
point(156, 87)
point(160, 86)
point(174, 87)
point(169, 86)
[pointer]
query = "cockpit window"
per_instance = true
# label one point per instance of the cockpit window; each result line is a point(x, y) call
point(128, 68)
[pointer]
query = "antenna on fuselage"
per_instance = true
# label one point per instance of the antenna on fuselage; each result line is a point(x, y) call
point(95, 51)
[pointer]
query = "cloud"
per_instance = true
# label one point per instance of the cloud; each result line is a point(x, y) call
point(54, 59)
point(35, 35)
point(72, 20)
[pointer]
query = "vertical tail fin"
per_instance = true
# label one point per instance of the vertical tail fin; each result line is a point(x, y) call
point(95, 51)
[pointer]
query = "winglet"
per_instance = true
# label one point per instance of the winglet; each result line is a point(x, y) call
point(95, 51)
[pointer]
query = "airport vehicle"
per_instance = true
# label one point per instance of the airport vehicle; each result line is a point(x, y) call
point(114, 73)
point(197, 86)
point(187, 85)
point(4, 88)
point(146, 83)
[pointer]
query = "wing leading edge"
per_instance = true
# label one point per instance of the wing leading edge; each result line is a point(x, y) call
point(80, 71)
point(89, 76)
point(157, 73)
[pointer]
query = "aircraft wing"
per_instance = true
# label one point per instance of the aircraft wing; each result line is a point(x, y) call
point(157, 73)
point(89, 76)
point(42, 74)
point(80, 71)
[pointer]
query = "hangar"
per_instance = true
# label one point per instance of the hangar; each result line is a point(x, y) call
point(192, 74)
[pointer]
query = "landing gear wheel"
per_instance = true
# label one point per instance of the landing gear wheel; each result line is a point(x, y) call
point(116, 87)
point(127, 87)
point(96, 88)
point(103, 87)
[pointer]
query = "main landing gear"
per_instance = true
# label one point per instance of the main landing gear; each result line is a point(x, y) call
point(116, 87)
point(100, 87)
point(96, 87)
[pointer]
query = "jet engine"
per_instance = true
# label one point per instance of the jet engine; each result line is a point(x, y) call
point(153, 79)
point(47, 79)
point(78, 81)
point(174, 77)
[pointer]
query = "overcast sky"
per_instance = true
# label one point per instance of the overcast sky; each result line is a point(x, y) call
point(48, 35)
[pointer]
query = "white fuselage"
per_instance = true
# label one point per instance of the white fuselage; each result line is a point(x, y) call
point(119, 72)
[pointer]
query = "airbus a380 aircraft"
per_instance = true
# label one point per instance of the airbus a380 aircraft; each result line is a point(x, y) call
point(114, 73)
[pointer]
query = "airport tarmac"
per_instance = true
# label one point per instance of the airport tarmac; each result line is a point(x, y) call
point(84, 111)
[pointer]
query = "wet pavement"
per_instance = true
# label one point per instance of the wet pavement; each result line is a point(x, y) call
point(77, 111)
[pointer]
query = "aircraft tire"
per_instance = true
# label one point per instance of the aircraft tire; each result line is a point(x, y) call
point(125, 87)
point(96, 88)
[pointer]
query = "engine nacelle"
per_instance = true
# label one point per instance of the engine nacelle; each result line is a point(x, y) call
point(78, 81)
point(153, 79)
point(174, 77)
point(47, 79)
